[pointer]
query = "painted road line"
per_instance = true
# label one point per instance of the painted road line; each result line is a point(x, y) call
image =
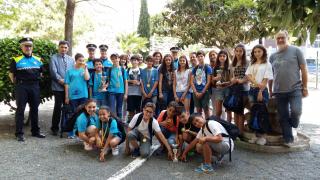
point(132, 166)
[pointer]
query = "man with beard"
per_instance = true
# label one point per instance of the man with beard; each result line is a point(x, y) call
point(288, 86)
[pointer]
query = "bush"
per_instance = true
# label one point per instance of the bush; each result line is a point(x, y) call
point(9, 48)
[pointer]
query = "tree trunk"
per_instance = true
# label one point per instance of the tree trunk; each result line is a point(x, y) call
point(68, 27)
point(260, 40)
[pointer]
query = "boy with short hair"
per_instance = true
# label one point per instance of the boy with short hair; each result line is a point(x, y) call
point(149, 82)
point(118, 85)
point(134, 90)
point(98, 83)
point(200, 83)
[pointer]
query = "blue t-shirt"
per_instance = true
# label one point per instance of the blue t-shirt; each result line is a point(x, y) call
point(77, 84)
point(149, 77)
point(90, 64)
point(95, 83)
point(82, 121)
point(113, 129)
point(106, 63)
point(200, 76)
point(116, 84)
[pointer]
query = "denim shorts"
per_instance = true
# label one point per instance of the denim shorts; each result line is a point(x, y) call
point(221, 94)
point(188, 95)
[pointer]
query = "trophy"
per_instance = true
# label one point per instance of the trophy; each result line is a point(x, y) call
point(102, 87)
point(175, 151)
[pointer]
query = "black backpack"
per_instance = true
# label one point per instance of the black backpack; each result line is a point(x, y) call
point(259, 118)
point(151, 133)
point(69, 125)
point(232, 130)
point(120, 126)
point(234, 101)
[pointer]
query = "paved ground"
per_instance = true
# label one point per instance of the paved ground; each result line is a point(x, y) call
point(55, 158)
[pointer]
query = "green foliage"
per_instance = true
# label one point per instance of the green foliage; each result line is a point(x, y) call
point(10, 48)
point(144, 25)
point(298, 17)
point(132, 43)
point(210, 22)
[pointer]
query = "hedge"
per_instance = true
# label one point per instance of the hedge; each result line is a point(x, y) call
point(9, 48)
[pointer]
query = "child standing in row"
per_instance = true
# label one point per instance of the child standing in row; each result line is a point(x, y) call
point(200, 83)
point(134, 88)
point(118, 85)
point(258, 74)
point(98, 83)
point(181, 83)
point(149, 82)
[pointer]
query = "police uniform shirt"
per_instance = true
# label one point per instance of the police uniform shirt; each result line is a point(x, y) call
point(26, 68)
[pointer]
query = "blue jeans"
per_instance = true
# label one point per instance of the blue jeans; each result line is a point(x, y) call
point(289, 106)
point(115, 102)
point(74, 104)
point(170, 136)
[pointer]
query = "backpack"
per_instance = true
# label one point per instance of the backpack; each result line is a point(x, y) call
point(234, 101)
point(66, 114)
point(120, 126)
point(259, 118)
point(232, 130)
point(151, 133)
point(69, 126)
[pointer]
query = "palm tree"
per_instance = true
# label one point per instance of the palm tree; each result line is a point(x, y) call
point(132, 43)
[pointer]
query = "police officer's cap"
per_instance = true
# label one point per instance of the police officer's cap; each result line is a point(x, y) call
point(174, 49)
point(91, 47)
point(103, 47)
point(26, 40)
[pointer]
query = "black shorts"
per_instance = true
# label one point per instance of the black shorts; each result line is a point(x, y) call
point(134, 103)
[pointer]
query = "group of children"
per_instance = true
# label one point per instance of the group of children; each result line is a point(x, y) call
point(169, 88)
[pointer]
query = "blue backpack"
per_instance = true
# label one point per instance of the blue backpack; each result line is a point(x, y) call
point(259, 118)
point(234, 101)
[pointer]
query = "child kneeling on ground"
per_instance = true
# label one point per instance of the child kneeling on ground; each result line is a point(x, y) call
point(187, 132)
point(87, 125)
point(208, 142)
point(111, 135)
point(141, 129)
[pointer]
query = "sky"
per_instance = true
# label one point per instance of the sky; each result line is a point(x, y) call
point(122, 17)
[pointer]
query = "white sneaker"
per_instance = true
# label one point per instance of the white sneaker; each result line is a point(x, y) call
point(261, 141)
point(87, 146)
point(253, 140)
point(115, 151)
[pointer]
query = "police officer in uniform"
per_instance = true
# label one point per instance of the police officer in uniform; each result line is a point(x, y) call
point(25, 73)
point(104, 57)
point(91, 51)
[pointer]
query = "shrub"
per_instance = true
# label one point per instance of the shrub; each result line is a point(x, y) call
point(9, 48)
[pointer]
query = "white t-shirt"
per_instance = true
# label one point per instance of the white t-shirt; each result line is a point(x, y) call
point(182, 79)
point(216, 129)
point(260, 71)
point(143, 126)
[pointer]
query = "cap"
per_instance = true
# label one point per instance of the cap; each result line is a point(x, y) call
point(175, 49)
point(114, 54)
point(91, 47)
point(103, 47)
point(26, 40)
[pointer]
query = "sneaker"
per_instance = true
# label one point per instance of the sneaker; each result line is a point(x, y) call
point(206, 168)
point(261, 141)
point(71, 137)
point(115, 151)
point(253, 140)
point(87, 146)
point(135, 153)
point(288, 144)
point(219, 159)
